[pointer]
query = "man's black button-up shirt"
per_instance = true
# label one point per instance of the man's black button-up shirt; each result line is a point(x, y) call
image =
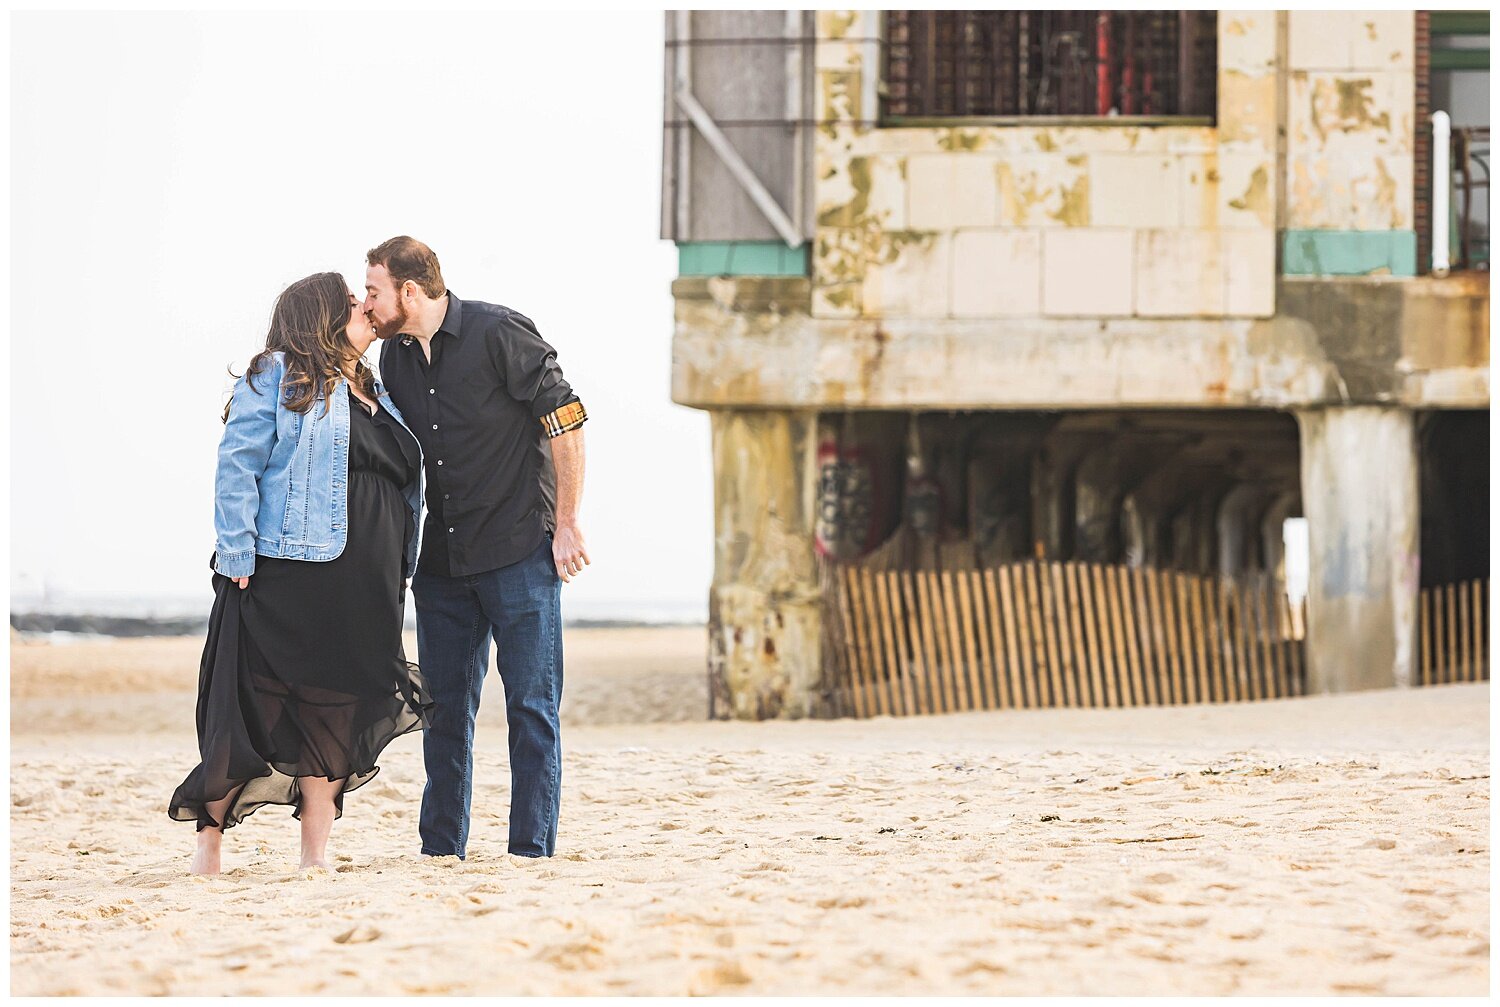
point(483, 410)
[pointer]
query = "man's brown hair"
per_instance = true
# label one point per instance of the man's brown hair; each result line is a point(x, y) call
point(408, 259)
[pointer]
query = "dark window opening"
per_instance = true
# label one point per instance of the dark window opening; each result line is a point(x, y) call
point(1001, 64)
point(1455, 502)
point(1453, 625)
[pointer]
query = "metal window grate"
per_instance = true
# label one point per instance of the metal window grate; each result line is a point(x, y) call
point(1471, 172)
point(1050, 63)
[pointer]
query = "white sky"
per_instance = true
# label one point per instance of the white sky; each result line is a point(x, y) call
point(172, 172)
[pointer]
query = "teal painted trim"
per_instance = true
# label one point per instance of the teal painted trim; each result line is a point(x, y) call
point(1348, 253)
point(740, 258)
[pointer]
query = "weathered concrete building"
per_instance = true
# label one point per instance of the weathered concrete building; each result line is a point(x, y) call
point(968, 289)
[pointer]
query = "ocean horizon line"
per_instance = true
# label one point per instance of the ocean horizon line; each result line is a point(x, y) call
point(78, 627)
point(89, 617)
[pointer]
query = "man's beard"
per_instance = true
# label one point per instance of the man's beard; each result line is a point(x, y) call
point(391, 329)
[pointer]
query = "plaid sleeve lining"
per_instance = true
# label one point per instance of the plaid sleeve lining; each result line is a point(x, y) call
point(564, 418)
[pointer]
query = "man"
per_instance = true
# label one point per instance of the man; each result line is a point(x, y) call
point(503, 451)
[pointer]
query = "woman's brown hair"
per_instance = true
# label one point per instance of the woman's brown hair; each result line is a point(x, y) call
point(309, 324)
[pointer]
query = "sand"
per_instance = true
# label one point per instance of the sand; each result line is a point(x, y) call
point(1315, 846)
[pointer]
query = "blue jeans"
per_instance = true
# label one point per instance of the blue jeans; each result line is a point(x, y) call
point(521, 607)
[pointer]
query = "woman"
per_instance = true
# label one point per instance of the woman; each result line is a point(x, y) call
point(304, 680)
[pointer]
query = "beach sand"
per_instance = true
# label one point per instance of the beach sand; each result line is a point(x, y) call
point(1311, 846)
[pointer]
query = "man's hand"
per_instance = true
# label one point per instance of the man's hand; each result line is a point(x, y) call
point(243, 582)
point(568, 552)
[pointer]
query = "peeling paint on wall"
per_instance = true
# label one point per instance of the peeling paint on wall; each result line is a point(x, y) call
point(1347, 135)
point(1257, 196)
point(960, 139)
point(1247, 109)
point(1349, 151)
point(840, 91)
point(1036, 190)
point(1346, 106)
point(882, 233)
point(836, 24)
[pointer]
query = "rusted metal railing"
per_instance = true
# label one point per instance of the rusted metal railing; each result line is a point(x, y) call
point(1471, 173)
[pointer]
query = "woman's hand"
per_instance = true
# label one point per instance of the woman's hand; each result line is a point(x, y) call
point(243, 582)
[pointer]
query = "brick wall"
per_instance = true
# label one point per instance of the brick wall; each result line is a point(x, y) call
point(1422, 142)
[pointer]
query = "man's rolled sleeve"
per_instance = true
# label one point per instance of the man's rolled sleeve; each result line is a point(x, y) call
point(532, 375)
point(568, 417)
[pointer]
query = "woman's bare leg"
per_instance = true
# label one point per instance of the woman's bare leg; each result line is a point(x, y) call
point(317, 818)
point(206, 856)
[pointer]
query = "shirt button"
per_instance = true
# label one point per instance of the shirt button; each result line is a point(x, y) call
point(440, 461)
point(432, 391)
point(450, 530)
point(434, 426)
point(445, 496)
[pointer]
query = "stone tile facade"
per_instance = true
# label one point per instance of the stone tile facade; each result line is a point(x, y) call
point(1350, 128)
point(1126, 220)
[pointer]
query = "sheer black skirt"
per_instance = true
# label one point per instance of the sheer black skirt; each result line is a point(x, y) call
point(304, 673)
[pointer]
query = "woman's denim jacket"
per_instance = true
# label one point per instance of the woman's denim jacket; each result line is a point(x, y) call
point(281, 487)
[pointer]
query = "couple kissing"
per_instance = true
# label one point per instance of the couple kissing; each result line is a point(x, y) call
point(318, 493)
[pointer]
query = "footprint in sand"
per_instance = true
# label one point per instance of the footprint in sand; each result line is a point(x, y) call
point(158, 880)
point(726, 973)
point(308, 874)
point(575, 955)
point(240, 957)
point(485, 888)
point(362, 934)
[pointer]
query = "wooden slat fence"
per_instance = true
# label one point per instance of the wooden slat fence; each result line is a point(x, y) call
point(1048, 633)
point(1453, 633)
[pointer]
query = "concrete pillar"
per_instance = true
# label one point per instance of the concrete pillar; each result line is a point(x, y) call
point(1096, 508)
point(1053, 495)
point(1359, 493)
point(1273, 529)
point(765, 625)
point(1133, 531)
point(1148, 510)
point(1194, 529)
point(999, 508)
point(1240, 519)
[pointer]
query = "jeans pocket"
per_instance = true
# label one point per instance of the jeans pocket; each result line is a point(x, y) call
point(545, 557)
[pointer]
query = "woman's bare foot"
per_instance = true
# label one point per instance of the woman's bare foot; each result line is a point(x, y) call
point(316, 813)
point(206, 856)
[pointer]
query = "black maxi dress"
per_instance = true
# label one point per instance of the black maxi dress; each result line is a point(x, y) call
point(304, 672)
